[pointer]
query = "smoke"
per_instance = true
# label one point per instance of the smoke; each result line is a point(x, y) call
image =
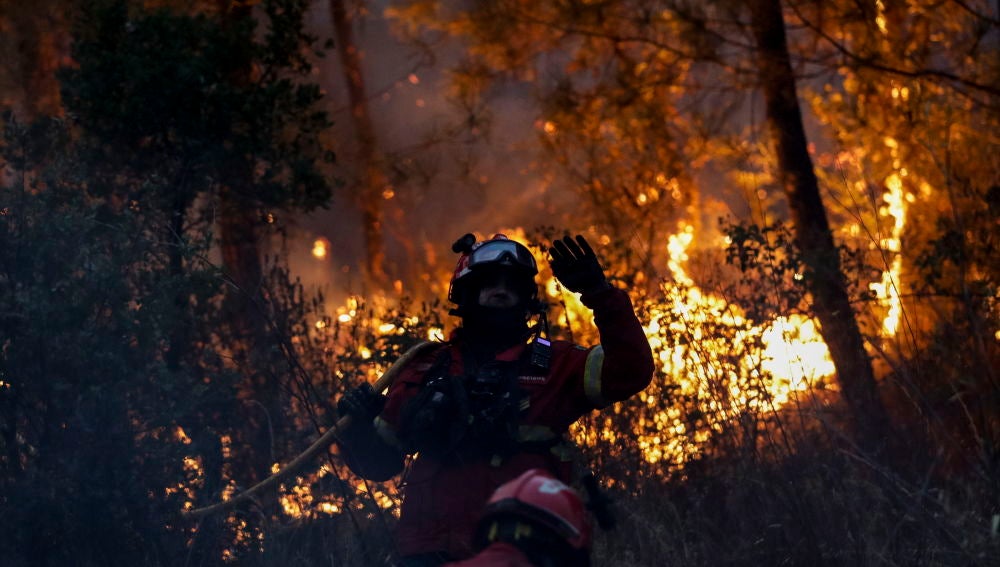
point(443, 184)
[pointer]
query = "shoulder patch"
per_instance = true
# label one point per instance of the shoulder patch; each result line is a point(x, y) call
point(532, 379)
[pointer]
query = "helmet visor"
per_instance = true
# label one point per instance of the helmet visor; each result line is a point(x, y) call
point(503, 252)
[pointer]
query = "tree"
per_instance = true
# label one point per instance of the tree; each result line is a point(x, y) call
point(814, 238)
point(631, 94)
point(215, 116)
point(607, 87)
point(90, 408)
point(913, 114)
point(108, 395)
point(372, 181)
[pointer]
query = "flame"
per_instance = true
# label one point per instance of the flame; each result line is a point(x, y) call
point(246, 536)
point(229, 490)
point(179, 435)
point(329, 508)
point(194, 475)
point(886, 290)
point(695, 336)
point(880, 20)
point(320, 249)
point(299, 500)
point(382, 499)
point(796, 355)
point(792, 358)
point(226, 441)
point(192, 464)
point(677, 246)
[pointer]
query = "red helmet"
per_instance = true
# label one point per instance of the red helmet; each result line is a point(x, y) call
point(498, 251)
point(541, 499)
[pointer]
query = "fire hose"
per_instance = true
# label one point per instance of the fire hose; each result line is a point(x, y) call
point(324, 441)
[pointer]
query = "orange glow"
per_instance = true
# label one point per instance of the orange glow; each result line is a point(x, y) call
point(320, 248)
point(229, 490)
point(895, 199)
point(677, 246)
point(329, 508)
point(880, 20)
point(382, 499)
point(179, 434)
point(696, 337)
point(298, 501)
point(700, 341)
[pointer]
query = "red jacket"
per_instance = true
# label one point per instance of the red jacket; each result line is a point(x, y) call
point(498, 554)
point(442, 501)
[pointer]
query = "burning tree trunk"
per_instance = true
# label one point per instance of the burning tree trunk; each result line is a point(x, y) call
point(373, 180)
point(812, 230)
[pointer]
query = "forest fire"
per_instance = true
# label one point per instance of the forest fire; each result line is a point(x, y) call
point(210, 178)
point(700, 340)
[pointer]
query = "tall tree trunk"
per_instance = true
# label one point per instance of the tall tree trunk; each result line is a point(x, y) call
point(812, 229)
point(373, 181)
point(238, 218)
point(239, 243)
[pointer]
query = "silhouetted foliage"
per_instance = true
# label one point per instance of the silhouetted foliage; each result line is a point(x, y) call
point(118, 389)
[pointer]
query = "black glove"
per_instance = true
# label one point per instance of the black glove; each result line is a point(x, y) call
point(363, 404)
point(575, 265)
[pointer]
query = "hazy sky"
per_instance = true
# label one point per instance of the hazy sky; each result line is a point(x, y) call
point(408, 103)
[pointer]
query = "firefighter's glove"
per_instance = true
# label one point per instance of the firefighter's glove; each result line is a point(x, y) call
point(576, 267)
point(363, 404)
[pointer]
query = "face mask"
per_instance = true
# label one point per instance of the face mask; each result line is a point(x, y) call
point(499, 325)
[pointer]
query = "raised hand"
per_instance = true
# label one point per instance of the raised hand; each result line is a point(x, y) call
point(576, 266)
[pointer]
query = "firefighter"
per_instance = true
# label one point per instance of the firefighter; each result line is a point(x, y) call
point(532, 521)
point(497, 398)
